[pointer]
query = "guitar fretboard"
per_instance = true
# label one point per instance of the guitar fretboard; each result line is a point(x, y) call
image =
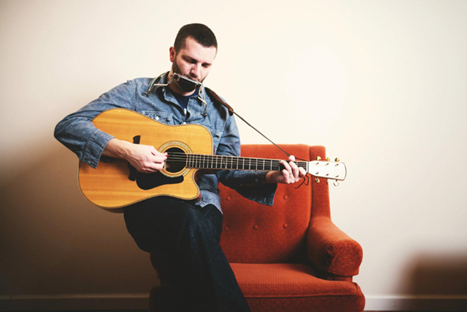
point(236, 163)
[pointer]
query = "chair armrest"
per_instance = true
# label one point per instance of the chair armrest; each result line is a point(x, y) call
point(331, 250)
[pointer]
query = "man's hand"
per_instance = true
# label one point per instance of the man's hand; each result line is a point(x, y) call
point(291, 174)
point(144, 158)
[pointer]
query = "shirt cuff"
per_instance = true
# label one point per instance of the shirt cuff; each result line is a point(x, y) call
point(95, 147)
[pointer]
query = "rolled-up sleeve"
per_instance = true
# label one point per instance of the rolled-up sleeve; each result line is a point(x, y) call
point(77, 132)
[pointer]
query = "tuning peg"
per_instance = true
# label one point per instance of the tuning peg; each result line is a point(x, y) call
point(318, 158)
point(317, 180)
point(337, 159)
point(328, 159)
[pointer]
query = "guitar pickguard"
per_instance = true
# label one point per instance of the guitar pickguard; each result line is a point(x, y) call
point(147, 181)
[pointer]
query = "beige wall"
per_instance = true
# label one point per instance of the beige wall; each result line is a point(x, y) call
point(382, 84)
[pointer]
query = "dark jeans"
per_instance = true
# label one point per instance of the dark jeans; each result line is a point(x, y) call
point(184, 240)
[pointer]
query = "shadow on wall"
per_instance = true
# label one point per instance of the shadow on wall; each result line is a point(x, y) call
point(55, 242)
point(440, 283)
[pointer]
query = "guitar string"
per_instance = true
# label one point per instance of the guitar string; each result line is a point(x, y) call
point(274, 164)
point(183, 156)
point(224, 159)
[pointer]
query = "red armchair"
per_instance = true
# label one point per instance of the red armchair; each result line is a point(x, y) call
point(290, 257)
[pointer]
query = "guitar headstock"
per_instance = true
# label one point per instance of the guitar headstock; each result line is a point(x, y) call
point(331, 170)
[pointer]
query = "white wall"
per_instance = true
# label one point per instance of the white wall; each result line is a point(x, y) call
point(382, 84)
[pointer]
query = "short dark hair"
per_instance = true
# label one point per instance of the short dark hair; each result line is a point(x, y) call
point(199, 32)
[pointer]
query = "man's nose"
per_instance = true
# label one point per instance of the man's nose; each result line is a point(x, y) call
point(196, 70)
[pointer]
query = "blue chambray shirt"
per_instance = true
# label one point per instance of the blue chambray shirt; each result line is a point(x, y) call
point(77, 132)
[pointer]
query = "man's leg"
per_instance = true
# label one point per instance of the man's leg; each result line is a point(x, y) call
point(185, 241)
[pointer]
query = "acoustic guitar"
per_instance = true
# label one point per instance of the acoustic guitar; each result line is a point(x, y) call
point(116, 184)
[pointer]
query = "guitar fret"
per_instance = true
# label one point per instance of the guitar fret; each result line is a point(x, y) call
point(236, 163)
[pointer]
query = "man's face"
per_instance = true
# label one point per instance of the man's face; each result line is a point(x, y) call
point(193, 61)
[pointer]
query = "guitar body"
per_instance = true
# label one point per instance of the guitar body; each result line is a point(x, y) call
point(115, 183)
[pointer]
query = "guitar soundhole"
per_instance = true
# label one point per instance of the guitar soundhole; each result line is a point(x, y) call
point(176, 161)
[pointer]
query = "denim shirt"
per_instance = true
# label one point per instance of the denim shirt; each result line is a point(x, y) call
point(78, 133)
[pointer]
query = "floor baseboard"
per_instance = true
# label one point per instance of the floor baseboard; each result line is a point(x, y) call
point(416, 303)
point(135, 302)
point(75, 302)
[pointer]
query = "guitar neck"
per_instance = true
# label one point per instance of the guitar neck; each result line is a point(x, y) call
point(317, 168)
point(236, 163)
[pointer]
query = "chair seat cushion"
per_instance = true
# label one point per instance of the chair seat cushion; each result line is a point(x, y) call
point(285, 286)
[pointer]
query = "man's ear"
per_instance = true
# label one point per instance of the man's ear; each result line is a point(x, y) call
point(172, 54)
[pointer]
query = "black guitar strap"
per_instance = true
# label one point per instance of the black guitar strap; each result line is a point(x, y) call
point(232, 112)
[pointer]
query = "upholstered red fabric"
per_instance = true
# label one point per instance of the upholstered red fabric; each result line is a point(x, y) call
point(289, 257)
point(257, 233)
point(294, 287)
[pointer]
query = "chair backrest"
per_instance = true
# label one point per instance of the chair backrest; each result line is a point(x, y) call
point(255, 233)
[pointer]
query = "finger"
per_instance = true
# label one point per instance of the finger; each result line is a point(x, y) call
point(286, 166)
point(302, 172)
point(290, 172)
point(153, 164)
point(295, 169)
point(159, 166)
point(157, 153)
point(159, 159)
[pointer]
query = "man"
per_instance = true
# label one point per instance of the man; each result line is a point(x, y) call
point(182, 236)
